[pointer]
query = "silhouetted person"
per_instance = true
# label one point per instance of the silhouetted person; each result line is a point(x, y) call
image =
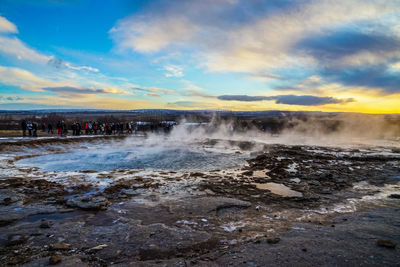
point(59, 128)
point(49, 128)
point(34, 129)
point(29, 127)
point(23, 127)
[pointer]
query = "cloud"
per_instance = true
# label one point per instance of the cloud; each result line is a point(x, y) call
point(11, 98)
point(242, 98)
point(266, 76)
point(154, 91)
point(13, 46)
point(191, 86)
point(173, 71)
point(69, 89)
point(376, 77)
point(28, 81)
point(351, 48)
point(6, 26)
point(243, 36)
point(308, 100)
point(197, 94)
point(143, 35)
point(302, 100)
point(153, 94)
point(60, 64)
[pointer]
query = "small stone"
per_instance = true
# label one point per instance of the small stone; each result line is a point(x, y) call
point(397, 196)
point(37, 233)
point(45, 224)
point(99, 247)
point(61, 246)
point(54, 260)
point(304, 249)
point(386, 243)
point(273, 240)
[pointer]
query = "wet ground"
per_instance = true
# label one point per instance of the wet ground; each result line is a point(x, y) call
point(257, 205)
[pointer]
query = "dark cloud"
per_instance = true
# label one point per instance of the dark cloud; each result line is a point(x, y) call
point(57, 63)
point(11, 98)
point(302, 100)
point(331, 50)
point(376, 77)
point(308, 100)
point(332, 47)
point(245, 98)
point(75, 90)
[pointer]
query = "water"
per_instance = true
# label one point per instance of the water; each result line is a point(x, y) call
point(279, 189)
point(139, 157)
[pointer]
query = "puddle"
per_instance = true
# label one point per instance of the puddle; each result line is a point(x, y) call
point(278, 189)
point(260, 174)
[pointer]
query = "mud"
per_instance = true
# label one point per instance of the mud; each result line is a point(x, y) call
point(342, 207)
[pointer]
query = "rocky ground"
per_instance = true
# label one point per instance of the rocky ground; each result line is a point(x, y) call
point(289, 205)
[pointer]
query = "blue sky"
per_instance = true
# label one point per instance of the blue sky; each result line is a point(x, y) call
point(204, 54)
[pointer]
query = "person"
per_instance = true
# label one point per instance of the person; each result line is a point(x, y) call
point(49, 128)
point(59, 128)
point(78, 128)
point(29, 127)
point(43, 127)
point(34, 129)
point(95, 128)
point(64, 129)
point(23, 126)
point(74, 128)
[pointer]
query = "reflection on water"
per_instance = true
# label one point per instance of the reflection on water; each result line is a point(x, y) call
point(138, 157)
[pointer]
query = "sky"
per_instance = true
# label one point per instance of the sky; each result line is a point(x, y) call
point(298, 55)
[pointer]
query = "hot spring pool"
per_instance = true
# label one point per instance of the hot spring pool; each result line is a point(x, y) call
point(155, 158)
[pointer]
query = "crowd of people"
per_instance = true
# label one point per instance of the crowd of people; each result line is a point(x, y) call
point(30, 128)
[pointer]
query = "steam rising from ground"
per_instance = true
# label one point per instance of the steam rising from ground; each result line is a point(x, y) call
point(334, 130)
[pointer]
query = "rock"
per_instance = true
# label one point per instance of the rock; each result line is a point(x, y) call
point(45, 224)
point(16, 239)
point(8, 196)
point(273, 240)
point(160, 241)
point(61, 246)
point(386, 243)
point(396, 150)
point(88, 203)
point(99, 247)
point(197, 174)
point(397, 196)
point(54, 260)
point(205, 205)
point(247, 173)
point(9, 214)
